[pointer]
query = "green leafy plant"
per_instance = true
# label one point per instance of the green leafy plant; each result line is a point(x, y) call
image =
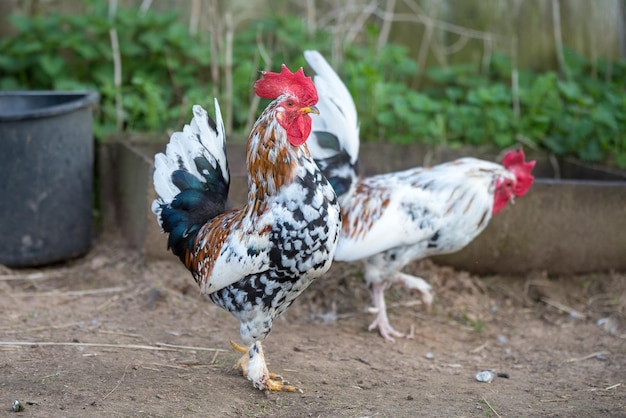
point(583, 116)
point(68, 52)
point(166, 70)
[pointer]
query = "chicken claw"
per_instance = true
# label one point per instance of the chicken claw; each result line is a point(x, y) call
point(253, 367)
point(384, 327)
point(382, 321)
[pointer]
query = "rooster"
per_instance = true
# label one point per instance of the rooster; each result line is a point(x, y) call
point(253, 261)
point(392, 219)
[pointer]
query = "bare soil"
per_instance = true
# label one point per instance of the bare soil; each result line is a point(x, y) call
point(111, 336)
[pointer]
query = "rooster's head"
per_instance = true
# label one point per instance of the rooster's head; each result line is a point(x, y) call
point(520, 180)
point(297, 97)
point(515, 162)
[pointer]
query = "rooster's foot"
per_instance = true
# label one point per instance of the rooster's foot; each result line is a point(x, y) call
point(385, 329)
point(253, 367)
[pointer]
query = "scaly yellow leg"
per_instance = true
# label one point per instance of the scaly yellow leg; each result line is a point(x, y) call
point(242, 363)
point(238, 347)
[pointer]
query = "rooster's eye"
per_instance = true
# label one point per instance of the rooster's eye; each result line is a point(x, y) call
point(290, 103)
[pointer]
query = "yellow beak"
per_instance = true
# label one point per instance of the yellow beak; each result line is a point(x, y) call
point(310, 109)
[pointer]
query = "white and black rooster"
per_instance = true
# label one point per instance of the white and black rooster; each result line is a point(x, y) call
point(392, 219)
point(255, 260)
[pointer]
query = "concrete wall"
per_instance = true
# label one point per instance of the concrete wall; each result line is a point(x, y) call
point(573, 225)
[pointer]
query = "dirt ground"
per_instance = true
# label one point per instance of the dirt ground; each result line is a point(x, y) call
point(107, 335)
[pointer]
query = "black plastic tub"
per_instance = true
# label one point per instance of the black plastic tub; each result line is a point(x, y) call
point(46, 176)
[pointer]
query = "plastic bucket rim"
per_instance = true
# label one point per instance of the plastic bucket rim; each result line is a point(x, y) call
point(85, 98)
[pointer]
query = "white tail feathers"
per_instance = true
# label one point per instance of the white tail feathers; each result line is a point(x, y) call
point(338, 114)
point(198, 139)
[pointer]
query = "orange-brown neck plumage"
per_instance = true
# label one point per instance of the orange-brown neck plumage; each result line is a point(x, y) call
point(272, 161)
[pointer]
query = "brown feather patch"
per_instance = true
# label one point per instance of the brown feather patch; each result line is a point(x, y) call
point(366, 207)
point(272, 162)
point(213, 234)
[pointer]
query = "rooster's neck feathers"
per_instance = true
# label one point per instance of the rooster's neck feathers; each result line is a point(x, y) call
point(272, 161)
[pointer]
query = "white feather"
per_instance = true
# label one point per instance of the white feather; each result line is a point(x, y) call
point(338, 114)
point(458, 195)
point(196, 139)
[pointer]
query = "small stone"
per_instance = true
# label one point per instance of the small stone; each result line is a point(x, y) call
point(430, 355)
point(609, 324)
point(576, 315)
point(17, 406)
point(485, 376)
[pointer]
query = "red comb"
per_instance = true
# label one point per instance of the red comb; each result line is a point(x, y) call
point(515, 162)
point(272, 85)
point(513, 158)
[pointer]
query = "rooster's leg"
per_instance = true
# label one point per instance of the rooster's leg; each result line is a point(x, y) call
point(242, 363)
point(412, 282)
point(253, 367)
point(382, 322)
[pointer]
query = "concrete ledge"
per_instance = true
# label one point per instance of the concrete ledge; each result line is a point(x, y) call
point(573, 219)
point(560, 226)
point(126, 193)
point(574, 224)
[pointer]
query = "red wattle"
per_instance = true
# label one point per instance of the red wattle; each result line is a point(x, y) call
point(299, 130)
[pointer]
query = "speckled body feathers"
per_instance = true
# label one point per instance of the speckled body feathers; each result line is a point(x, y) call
point(418, 212)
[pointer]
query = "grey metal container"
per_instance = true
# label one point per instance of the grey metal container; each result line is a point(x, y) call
point(46, 176)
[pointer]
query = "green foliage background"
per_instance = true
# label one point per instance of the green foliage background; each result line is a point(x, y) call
point(166, 70)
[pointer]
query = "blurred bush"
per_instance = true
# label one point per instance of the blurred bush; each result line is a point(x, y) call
point(165, 70)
